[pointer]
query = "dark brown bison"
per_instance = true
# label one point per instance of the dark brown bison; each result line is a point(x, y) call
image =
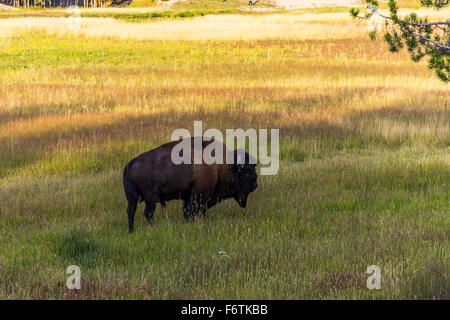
point(153, 177)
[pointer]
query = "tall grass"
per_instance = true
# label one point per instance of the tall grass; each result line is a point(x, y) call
point(364, 174)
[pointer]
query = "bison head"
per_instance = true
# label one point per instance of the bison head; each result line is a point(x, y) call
point(244, 176)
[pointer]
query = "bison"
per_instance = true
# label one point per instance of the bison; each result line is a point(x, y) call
point(153, 177)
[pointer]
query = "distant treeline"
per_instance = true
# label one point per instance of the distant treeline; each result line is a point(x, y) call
point(58, 3)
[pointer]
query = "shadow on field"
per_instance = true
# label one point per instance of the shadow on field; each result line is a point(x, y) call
point(357, 129)
point(90, 98)
point(430, 283)
point(77, 248)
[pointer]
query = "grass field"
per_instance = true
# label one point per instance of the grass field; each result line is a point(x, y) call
point(364, 172)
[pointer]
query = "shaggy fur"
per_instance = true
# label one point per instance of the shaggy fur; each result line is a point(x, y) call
point(153, 177)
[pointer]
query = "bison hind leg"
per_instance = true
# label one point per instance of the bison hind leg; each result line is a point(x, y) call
point(149, 211)
point(131, 210)
point(150, 205)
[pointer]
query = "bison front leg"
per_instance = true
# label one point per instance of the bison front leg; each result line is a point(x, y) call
point(203, 209)
point(194, 205)
point(191, 207)
point(203, 204)
point(187, 210)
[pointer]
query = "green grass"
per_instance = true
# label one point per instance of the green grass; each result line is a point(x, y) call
point(364, 174)
point(311, 239)
point(144, 17)
point(133, 16)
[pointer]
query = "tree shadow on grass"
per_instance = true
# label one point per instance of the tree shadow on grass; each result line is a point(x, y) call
point(328, 135)
point(77, 248)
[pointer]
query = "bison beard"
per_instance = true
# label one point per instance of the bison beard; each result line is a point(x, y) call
point(152, 177)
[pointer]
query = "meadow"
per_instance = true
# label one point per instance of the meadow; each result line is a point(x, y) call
point(364, 171)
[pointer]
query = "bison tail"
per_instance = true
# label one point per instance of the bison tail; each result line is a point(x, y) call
point(130, 187)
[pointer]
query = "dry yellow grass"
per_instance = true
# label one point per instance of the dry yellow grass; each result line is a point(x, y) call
point(230, 27)
point(211, 27)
